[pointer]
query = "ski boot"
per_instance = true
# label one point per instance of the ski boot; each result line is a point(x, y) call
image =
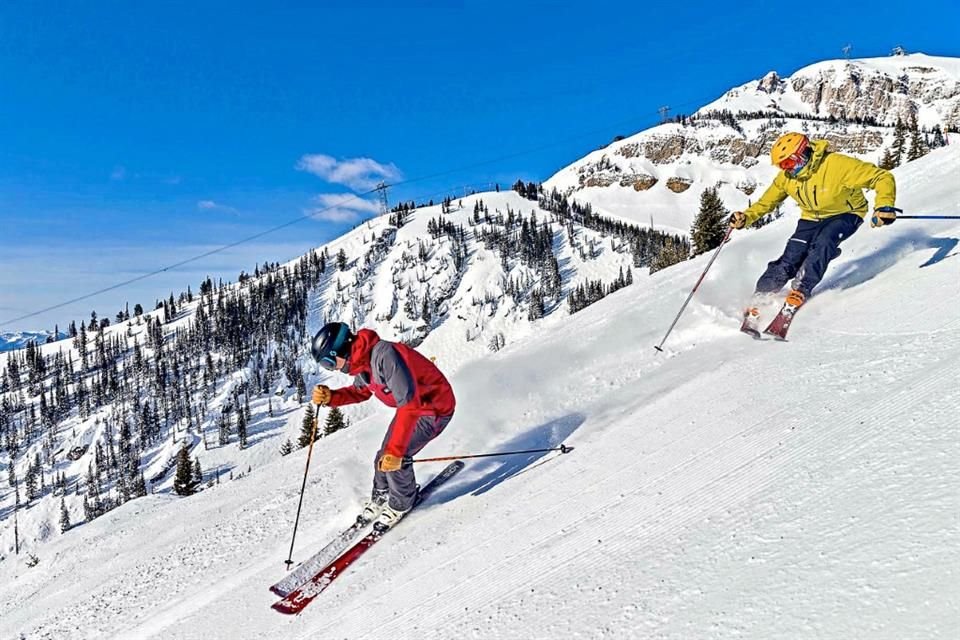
point(388, 517)
point(373, 507)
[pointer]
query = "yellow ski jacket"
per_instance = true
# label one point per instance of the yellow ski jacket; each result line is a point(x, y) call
point(829, 185)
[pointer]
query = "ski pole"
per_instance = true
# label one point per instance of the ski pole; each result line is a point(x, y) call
point(562, 449)
point(928, 217)
point(313, 436)
point(659, 347)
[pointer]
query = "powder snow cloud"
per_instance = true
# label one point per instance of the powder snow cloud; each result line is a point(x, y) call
point(360, 174)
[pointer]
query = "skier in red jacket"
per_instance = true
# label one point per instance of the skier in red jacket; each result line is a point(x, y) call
point(399, 377)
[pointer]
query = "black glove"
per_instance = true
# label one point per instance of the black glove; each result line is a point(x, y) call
point(884, 215)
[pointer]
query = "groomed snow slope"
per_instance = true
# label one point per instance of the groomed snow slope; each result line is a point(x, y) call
point(728, 488)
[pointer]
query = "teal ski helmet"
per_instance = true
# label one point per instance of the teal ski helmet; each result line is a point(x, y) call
point(330, 343)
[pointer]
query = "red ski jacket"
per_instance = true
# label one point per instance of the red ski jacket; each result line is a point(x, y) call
point(399, 377)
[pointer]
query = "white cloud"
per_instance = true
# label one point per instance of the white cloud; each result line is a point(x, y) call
point(342, 207)
point(210, 205)
point(361, 174)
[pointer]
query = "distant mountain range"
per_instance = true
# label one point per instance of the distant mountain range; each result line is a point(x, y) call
point(19, 339)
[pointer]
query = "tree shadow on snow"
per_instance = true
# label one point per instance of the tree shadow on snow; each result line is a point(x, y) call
point(858, 272)
point(487, 473)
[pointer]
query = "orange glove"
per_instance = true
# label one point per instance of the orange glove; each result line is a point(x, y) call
point(321, 395)
point(390, 463)
point(738, 220)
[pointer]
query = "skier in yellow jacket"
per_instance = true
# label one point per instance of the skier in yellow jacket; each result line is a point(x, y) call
point(828, 187)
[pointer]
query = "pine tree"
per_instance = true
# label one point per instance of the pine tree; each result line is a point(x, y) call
point(183, 481)
point(918, 146)
point(64, 516)
point(887, 161)
point(537, 307)
point(139, 486)
point(710, 225)
point(334, 422)
point(31, 484)
point(306, 429)
point(938, 138)
point(242, 429)
point(286, 448)
point(899, 142)
point(223, 429)
point(672, 252)
point(342, 260)
point(197, 472)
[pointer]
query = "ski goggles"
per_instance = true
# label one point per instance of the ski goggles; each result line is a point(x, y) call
point(797, 160)
point(328, 362)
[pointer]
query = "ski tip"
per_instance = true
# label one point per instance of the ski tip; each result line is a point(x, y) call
point(280, 607)
point(278, 592)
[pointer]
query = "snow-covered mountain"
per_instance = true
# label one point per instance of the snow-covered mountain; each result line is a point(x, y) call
point(12, 341)
point(472, 275)
point(728, 488)
point(657, 175)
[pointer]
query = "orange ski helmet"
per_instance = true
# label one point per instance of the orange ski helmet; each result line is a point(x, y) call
point(789, 151)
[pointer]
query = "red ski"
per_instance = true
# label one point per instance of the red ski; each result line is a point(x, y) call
point(304, 595)
point(781, 323)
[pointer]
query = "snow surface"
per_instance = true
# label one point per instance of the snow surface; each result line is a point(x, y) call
point(728, 488)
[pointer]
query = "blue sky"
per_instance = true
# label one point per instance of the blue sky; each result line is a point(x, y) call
point(135, 135)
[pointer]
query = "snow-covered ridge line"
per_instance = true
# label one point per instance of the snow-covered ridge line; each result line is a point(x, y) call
point(656, 176)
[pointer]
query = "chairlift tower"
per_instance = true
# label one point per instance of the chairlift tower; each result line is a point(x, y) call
point(384, 202)
point(664, 111)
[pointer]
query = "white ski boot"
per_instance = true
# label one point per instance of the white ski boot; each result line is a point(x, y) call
point(373, 507)
point(389, 517)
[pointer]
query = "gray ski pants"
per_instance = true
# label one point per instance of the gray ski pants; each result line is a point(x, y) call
point(402, 484)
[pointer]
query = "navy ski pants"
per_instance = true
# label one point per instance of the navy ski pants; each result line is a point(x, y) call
point(808, 252)
point(402, 484)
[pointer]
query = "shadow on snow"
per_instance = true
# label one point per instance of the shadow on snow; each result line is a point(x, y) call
point(858, 272)
point(487, 473)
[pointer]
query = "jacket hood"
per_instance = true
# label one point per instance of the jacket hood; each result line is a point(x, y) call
point(360, 350)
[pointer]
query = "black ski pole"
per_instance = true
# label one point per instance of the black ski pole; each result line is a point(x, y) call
point(562, 449)
point(313, 436)
point(928, 217)
point(659, 347)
